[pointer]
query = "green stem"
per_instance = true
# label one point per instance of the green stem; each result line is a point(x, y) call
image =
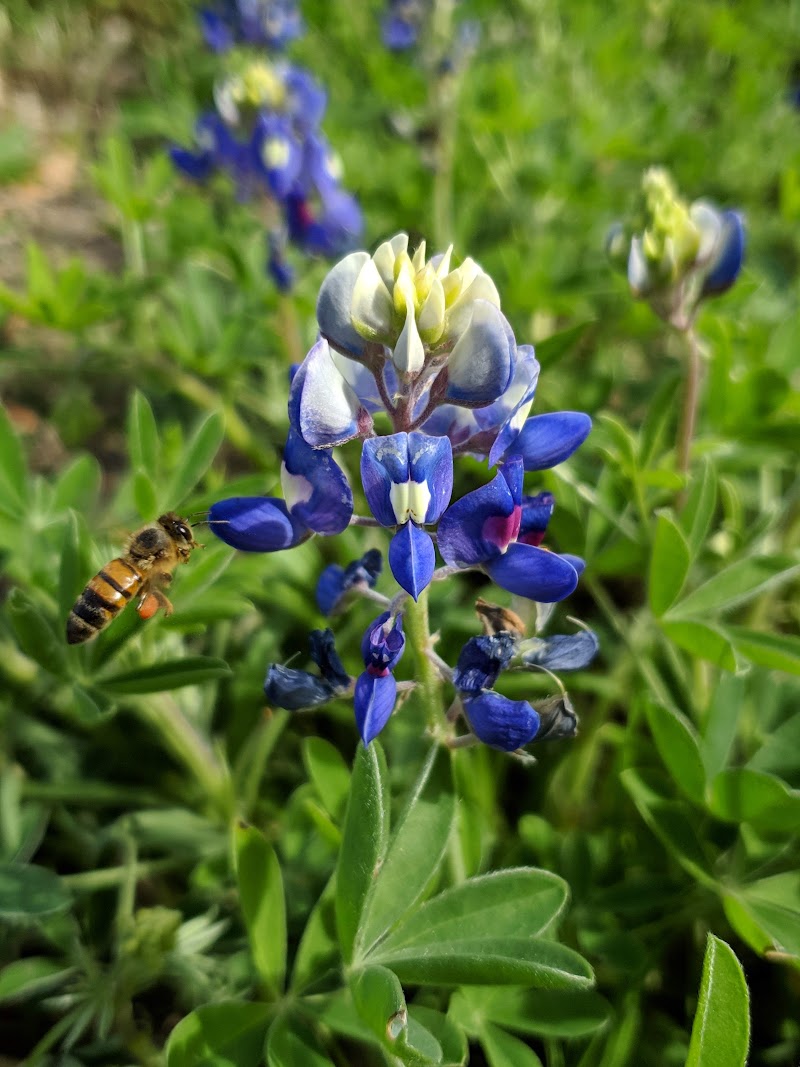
point(683, 447)
point(418, 634)
point(111, 877)
point(290, 328)
point(133, 246)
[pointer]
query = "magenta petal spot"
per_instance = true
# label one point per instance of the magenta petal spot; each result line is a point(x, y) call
point(501, 530)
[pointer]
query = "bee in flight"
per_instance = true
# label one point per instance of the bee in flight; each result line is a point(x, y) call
point(145, 569)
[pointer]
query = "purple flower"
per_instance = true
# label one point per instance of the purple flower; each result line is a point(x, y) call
point(408, 481)
point(376, 689)
point(482, 529)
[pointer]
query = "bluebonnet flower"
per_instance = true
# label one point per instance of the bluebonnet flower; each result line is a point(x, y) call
point(268, 23)
point(401, 23)
point(265, 135)
point(376, 689)
point(423, 345)
point(496, 720)
point(683, 252)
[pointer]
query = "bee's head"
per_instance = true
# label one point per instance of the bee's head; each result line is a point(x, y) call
point(178, 529)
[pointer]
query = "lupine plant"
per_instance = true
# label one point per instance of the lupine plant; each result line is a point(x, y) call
point(264, 132)
point(676, 255)
point(421, 348)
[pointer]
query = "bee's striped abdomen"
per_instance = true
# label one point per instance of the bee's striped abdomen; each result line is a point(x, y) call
point(103, 598)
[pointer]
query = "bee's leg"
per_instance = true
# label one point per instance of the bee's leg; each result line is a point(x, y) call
point(154, 591)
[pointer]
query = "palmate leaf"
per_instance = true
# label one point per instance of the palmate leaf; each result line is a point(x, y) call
point(735, 585)
point(505, 1050)
point(669, 565)
point(544, 1012)
point(261, 898)
point(230, 1034)
point(161, 676)
point(31, 892)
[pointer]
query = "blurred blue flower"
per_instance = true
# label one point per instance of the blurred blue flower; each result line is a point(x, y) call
point(269, 23)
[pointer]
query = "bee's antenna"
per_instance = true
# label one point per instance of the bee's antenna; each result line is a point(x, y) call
point(211, 522)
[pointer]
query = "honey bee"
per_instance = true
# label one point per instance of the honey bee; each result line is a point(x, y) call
point(145, 569)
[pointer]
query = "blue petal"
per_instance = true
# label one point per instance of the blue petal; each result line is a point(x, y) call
point(276, 152)
point(510, 411)
point(397, 33)
point(534, 573)
point(322, 406)
point(335, 581)
point(195, 165)
point(481, 660)
point(373, 703)
point(255, 524)
point(481, 364)
point(216, 32)
point(315, 488)
point(536, 513)
point(333, 305)
point(307, 99)
point(291, 689)
point(382, 648)
point(730, 256)
point(323, 653)
point(500, 722)
point(562, 652)
point(574, 561)
point(547, 440)
point(407, 476)
point(337, 227)
point(480, 525)
point(412, 558)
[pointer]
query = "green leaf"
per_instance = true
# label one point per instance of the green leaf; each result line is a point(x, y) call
point(142, 433)
point(35, 634)
point(505, 1050)
point(145, 495)
point(721, 1030)
point(379, 1000)
point(679, 748)
point(671, 821)
point(739, 582)
point(78, 485)
point(669, 565)
point(291, 1043)
point(160, 676)
point(30, 892)
point(721, 724)
point(33, 976)
point(771, 910)
point(198, 457)
point(415, 851)
point(698, 514)
point(740, 794)
point(230, 1034)
point(364, 841)
point(263, 905)
point(329, 773)
point(545, 1012)
point(778, 652)
point(519, 901)
point(487, 961)
point(449, 1037)
point(704, 641)
point(318, 950)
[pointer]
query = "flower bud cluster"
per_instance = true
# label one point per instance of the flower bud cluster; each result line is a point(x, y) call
point(264, 132)
point(676, 254)
point(423, 346)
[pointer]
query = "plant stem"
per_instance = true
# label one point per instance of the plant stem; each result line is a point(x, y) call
point(290, 328)
point(417, 628)
point(691, 396)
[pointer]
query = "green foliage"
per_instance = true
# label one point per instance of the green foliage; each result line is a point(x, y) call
point(190, 878)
